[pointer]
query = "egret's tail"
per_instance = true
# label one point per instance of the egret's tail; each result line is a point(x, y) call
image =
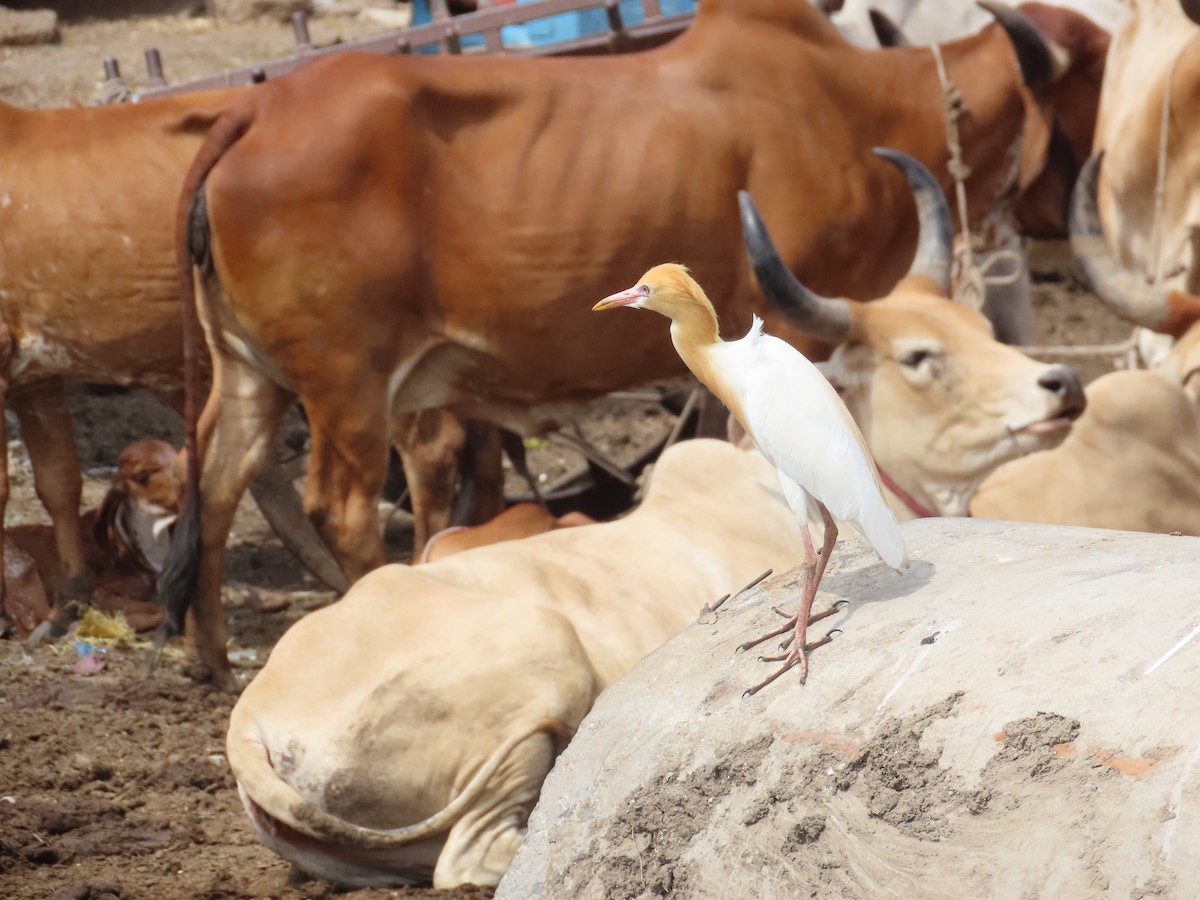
point(882, 531)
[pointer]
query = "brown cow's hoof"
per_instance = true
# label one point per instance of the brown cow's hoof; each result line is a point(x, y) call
point(47, 632)
point(223, 680)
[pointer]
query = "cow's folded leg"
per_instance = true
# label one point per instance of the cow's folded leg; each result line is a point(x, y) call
point(481, 845)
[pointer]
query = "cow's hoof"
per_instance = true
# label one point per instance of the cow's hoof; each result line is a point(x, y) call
point(222, 679)
point(45, 633)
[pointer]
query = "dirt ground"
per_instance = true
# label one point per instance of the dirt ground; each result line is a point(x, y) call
point(114, 784)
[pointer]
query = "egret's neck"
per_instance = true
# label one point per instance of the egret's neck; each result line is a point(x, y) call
point(693, 332)
point(696, 340)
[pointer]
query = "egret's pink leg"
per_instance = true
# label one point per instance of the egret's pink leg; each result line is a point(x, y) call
point(798, 624)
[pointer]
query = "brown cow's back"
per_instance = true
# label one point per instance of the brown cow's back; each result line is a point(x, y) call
point(87, 198)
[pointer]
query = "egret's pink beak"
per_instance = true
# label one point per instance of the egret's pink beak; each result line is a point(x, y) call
point(622, 298)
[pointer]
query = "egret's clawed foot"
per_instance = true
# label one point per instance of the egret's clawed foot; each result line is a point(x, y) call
point(790, 625)
point(793, 658)
point(794, 647)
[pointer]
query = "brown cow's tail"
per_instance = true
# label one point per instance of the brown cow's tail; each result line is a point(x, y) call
point(177, 582)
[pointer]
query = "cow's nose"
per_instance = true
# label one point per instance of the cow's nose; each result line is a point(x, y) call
point(1064, 383)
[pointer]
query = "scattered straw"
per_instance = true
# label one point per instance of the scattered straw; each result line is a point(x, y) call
point(103, 630)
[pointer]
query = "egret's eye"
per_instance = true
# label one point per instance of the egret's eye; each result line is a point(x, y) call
point(644, 290)
point(914, 358)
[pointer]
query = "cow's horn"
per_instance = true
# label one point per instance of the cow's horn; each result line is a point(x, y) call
point(935, 240)
point(822, 317)
point(1037, 63)
point(887, 32)
point(1191, 9)
point(1122, 291)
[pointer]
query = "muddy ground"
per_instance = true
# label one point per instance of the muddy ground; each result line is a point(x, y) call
point(114, 784)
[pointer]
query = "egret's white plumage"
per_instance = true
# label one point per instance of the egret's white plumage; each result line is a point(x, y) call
point(795, 418)
point(799, 423)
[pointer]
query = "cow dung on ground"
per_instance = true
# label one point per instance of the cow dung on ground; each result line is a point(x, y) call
point(1016, 715)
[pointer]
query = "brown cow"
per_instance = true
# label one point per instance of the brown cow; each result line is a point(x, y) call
point(86, 280)
point(87, 288)
point(125, 543)
point(432, 233)
point(520, 521)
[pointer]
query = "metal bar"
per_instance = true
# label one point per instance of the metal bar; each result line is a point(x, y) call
point(112, 69)
point(618, 41)
point(300, 30)
point(492, 41)
point(154, 66)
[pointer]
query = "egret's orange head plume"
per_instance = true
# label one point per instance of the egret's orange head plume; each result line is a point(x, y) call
point(668, 289)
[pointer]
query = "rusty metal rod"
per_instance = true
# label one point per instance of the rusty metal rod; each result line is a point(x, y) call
point(300, 30)
point(154, 66)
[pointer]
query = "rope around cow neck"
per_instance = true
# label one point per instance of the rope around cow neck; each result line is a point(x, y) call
point(971, 280)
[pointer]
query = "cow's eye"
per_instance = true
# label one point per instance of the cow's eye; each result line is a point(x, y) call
point(914, 358)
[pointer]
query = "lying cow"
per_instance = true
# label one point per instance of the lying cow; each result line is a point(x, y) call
point(431, 237)
point(415, 744)
point(520, 521)
point(1132, 462)
point(939, 401)
point(125, 543)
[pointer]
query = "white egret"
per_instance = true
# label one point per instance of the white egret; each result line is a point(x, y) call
point(792, 413)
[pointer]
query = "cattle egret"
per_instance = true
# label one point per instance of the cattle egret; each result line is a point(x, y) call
point(796, 420)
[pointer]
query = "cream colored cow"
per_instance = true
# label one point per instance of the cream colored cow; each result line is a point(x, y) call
point(1131, 462)
point(405, 731)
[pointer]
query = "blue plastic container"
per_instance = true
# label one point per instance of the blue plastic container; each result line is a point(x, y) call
point(559, 28)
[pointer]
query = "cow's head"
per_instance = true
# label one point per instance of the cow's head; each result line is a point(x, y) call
point(1163, 310)
point(1061, 117)
point(1061, 55)
point(142, 503)
point(939, 400)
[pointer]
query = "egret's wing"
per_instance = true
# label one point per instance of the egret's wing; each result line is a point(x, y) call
point(802, 427)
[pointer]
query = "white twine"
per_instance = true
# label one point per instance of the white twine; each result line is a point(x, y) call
point(115, 90)
point(971, 280)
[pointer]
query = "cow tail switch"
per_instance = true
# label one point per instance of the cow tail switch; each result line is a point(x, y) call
point(178, 580)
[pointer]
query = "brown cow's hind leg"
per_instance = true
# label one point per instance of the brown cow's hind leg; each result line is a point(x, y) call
point(236, 431)
point(346, 471)
point(430, 445)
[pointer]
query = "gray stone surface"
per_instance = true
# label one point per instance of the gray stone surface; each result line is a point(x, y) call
point(1015, 716)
